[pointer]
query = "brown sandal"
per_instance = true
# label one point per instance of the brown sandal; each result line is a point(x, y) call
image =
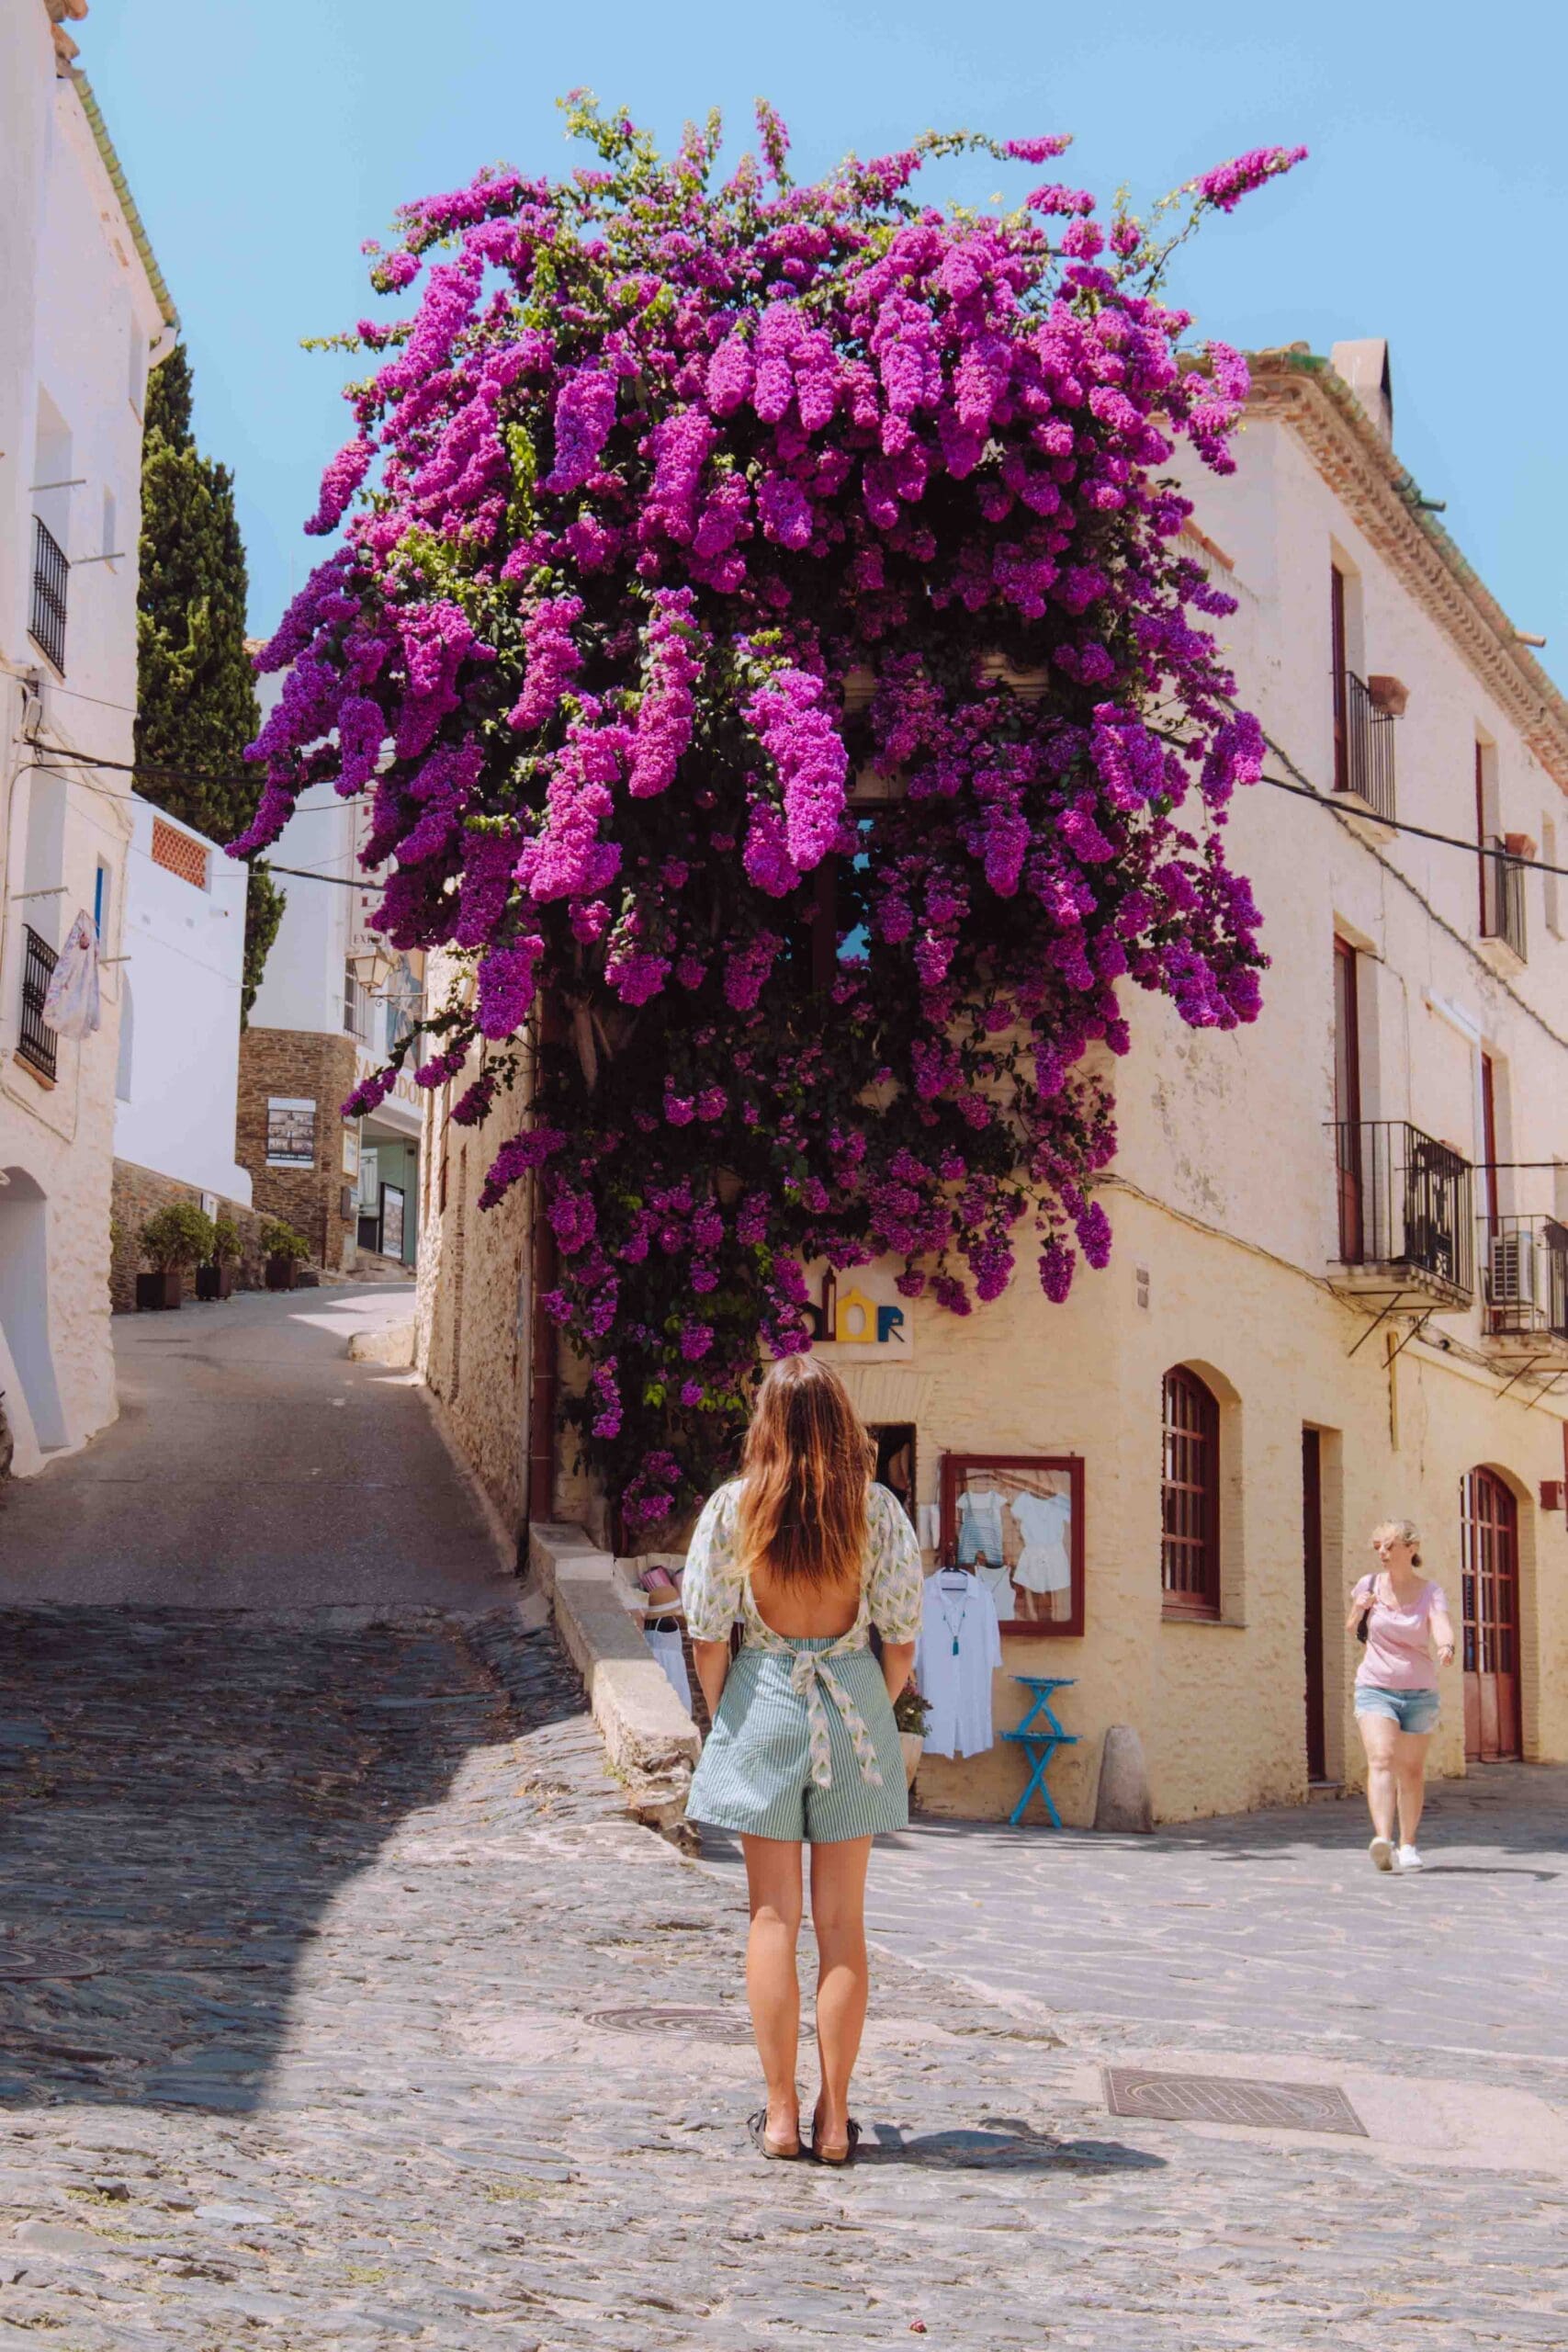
point(756, 2125)
point(820, 2156)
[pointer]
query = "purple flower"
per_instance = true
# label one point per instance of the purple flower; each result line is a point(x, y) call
point(1226, 185)
point(585, 413)
point(341, 479)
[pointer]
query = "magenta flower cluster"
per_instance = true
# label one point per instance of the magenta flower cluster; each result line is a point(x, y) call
point(762, 621)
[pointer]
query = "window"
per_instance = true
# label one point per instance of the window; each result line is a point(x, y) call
point(1190, 1552)
point(110, 548)
point(101, 884)
point(180, 853)
point(290, 1131)
point(357, 1005)
point(1348, 1098)
point(1551, 884)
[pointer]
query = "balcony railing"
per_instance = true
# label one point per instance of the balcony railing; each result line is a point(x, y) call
point(1405, 1204)
point(38, 1045)
point(1363, 745)
point(1525, 1265)
point(1502, 896)
point(46, 621)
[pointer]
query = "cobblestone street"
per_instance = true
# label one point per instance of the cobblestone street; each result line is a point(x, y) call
point(308, 1920)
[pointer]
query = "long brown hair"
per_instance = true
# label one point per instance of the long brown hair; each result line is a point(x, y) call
point(805, 1476)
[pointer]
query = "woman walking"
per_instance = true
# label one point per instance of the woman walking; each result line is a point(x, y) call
point(1399, 1614)
point(809, 1554)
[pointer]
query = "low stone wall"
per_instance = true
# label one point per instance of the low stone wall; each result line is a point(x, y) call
point(651, 1740)
point(141, 1193)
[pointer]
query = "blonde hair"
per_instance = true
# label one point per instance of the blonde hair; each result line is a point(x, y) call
point(805, 1477)
point(1404, 1530)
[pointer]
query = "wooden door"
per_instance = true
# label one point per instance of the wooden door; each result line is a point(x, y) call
point(1347, 1100)
point(1312, 1572)
point(1490, 1606)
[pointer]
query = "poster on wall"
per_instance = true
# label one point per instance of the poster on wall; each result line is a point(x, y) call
point(1017, 1520)
point(290, 1131)
point(391, 1220)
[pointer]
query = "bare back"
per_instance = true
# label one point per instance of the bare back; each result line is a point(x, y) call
point(804, 1613)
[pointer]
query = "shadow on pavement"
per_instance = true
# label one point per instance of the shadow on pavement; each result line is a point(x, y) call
point(1003, 2145)
point(181, 1795)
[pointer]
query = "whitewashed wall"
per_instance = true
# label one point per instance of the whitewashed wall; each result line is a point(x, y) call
point(179, 1048)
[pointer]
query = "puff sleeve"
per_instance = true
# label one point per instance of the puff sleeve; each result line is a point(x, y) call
point(711, 1585)
point(896, 1582)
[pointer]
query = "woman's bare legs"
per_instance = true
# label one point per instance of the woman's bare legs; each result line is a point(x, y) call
point(1381, 1737)
point(843, 1983)
point(1410, 1780)
point(773, 1987)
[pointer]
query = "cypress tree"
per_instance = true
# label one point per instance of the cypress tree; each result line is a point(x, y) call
point(196, 700)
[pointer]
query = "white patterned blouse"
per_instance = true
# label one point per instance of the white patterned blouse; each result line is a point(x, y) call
point(715, 1589)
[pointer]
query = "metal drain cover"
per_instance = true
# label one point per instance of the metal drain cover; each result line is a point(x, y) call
point(702, 2025)
point(1221, 2098)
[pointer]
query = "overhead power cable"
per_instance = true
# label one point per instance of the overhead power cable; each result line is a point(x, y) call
point(1300, 791)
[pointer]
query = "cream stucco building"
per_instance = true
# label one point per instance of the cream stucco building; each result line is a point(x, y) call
point(1338, 1290)
point(83, 314)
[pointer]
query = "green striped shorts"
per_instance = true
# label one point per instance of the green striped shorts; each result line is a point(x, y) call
point(755, 1771)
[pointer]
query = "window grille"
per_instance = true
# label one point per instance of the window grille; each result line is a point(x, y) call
point(1190, 1557)
point(179, 853)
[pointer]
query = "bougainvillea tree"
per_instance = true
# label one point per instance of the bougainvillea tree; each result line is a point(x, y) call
point(760, 621)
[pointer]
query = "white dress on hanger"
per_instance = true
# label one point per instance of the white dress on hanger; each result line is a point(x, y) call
point(1046, 1564)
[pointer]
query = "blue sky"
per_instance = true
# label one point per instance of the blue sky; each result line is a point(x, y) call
point(264, 139)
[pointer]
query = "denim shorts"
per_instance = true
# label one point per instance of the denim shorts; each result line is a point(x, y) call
point(1411, 1710)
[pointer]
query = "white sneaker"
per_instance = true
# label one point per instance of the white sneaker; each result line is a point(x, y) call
point(1410, 1858)
point(1382, 1851)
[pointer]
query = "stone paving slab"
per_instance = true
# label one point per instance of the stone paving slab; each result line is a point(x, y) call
point(334, 2079)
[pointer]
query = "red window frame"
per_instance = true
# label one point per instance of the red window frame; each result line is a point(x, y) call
point(1189, 1496)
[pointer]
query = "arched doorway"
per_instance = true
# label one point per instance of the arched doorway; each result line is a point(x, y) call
point(23, 1307)
point(1489, 1577)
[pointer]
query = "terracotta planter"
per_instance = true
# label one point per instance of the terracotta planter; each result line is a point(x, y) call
point(282, 1273)
point(160, 1290)
point(215, 1282)
point(913, 1743)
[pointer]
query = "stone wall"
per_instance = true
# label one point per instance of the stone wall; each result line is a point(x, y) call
point(474, 1293)
point(302, 1065)
point(141, 1193)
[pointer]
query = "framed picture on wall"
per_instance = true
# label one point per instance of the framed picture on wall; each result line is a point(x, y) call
point(1017, 1520)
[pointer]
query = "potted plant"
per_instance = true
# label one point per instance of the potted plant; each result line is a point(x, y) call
point(215, 1279)
point(909, 1712)
point(284, 1249)
point(172, 1240)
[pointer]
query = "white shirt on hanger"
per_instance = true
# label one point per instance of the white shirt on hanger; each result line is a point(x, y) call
point(959, 1649)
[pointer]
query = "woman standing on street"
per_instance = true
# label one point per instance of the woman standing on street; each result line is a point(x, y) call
point(1398, 1612)
point(809, 1554)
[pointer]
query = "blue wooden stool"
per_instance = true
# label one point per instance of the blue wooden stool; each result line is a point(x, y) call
point(1040, 1741)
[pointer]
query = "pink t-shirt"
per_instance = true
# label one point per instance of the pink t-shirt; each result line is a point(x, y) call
point(1398, 1655)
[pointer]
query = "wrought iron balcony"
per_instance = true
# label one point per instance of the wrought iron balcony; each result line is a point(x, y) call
point(36, 1044)
point(1406, 1212)
point(1502, 896)
point(46, 620)
point(1524, 1264)
point(1363, 745)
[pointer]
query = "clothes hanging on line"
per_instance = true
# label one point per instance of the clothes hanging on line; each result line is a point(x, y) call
point(959, 1649)
point(1046, 1564)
